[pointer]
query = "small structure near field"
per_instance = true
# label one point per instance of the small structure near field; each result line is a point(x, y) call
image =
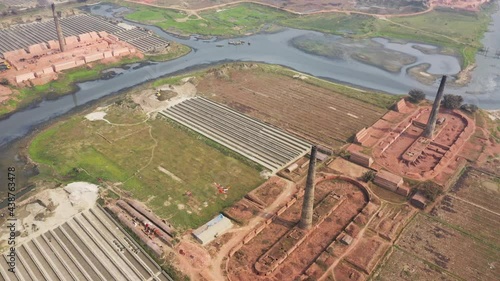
point(346, 239)
point(418, 200)
point(388, 180)
point(401, 106)
point(212, 229)
point(361, 159)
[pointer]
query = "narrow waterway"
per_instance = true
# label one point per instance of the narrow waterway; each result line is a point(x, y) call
point(273, 49)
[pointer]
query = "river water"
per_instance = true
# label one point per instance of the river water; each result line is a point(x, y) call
point(274, 49)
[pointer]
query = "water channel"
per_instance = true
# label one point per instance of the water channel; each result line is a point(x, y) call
point(274, 49)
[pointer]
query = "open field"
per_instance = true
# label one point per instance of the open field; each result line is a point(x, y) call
point(333, 23)
point(471, 206)
point(470, 218)
point(460, 31)
point(131, 153)
point(231, 21)
point(442, 246)
point(403, 266)
point(301, 6)
point(314, 113)
point(479, 188)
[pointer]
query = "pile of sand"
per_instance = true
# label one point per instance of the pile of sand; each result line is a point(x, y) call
point(494, 114)
point(50, 208)
point(149, 102)
point(82, 195)
point(98, 115)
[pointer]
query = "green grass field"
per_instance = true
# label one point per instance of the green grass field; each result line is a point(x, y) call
point(231, 21)
point(459, 31)
point(79, 143)
point(333, 23)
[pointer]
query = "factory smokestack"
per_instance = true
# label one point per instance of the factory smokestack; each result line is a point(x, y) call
point(431, 123)
point(60, 35)
point(308, 204)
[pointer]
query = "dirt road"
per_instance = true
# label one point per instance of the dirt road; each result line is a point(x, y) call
point(196, 11)
point(211, 268)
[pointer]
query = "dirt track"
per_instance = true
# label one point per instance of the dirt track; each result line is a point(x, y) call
point(195, 11)
point(212, 268)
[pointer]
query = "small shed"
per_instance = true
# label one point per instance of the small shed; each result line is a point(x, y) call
point(321, 156)
point(126, 26)
point(212, 229)
point(418, 200)
point(291, 168)
point(403, 191)
point(388, 180)
point(361, 159)
point(346, 239)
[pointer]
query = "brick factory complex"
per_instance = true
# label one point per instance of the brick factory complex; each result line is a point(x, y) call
point(247, 171)
point(34, 53)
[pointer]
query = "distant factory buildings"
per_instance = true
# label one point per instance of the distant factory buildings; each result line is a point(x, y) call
point(361, 159)
point(388, 180)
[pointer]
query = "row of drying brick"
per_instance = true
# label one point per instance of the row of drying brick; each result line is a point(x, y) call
point(87, 247)
point(33, 33)
point(72, 64)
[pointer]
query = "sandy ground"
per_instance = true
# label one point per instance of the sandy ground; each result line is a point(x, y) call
point(98, 115)
point(49, 209)
point(348, 168)
point(149, 102)
point(494, 114)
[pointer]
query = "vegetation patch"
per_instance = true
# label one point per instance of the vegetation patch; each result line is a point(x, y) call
point(230, 21)
point(130, 157)
point(443, 246)
point(452, 30)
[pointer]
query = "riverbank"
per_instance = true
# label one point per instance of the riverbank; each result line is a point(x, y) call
point(457, 30)
point(67, 80)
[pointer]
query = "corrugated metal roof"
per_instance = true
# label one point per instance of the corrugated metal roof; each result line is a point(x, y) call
point(209, 231)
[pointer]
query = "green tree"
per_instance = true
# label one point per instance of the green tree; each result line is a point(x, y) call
point(430, 190)
point(416, 95)
point(368, 176)
point(471, 108)
point(452, 101)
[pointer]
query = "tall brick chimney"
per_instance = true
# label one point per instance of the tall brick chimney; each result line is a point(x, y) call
point(308, 204)
point(60, 36)
point(431, 123)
